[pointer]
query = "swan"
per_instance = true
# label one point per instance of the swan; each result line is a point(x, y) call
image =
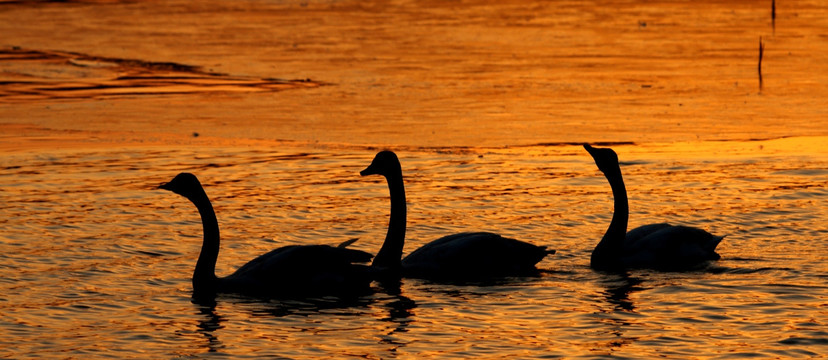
point(463, 256)
point(287, 271)
point(655, 246)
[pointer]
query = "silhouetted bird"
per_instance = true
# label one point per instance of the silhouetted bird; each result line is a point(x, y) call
point(294, 270)
point(463, 256)
point(655, 246)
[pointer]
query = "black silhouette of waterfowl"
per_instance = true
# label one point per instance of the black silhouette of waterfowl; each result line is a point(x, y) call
point(289, 271)
point(457, 257)
point(656, 246)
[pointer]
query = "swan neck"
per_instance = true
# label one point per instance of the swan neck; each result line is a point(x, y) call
point(617, 231)
point(391, 251)
point(205, 270)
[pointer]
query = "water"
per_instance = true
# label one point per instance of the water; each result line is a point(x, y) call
point(96, 262)
point(486, 73)
point(277, 105)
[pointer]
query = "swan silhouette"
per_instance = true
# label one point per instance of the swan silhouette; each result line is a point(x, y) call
point(655, 246)
point(463, 256)
point(293, 270)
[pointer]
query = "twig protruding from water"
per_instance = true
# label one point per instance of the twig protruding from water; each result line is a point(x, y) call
point(759, 67)
point(773, 15)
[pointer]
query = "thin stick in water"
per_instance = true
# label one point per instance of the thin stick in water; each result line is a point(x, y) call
point(773, 15)
point(761, 50)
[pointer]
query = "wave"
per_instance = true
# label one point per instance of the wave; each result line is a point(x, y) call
point(31, 77)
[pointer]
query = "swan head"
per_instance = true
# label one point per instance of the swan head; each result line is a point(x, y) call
point(184, 184)
point(605, 158)
point(385, 163)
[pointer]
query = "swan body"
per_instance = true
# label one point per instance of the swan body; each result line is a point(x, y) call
point(654, 246)
point(463, 256)
point(472, 255)
point(294, 270)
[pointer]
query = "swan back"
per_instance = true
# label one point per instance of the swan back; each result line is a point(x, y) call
point(634, 235)
point(677, 240)
point(474, 255)
point(303, 258)
point(304, 270)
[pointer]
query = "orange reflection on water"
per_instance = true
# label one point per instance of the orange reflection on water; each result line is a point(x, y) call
point(482, 74)
point(86, 224)
point(486, 104)
point(811, 146)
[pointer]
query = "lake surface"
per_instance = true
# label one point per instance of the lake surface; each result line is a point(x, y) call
point(96, 262)
point(277, 105)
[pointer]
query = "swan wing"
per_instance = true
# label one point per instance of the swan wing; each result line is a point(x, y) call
point(634, 236)
point(474, 254)
point(305, 269)
point(261, 263)
point(672, 246)
point(347, 243)
point(284, 260)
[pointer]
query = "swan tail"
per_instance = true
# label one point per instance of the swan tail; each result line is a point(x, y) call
point(712, 246)
point(347, 243)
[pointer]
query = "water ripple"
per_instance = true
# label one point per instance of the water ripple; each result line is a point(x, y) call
point(94, 259)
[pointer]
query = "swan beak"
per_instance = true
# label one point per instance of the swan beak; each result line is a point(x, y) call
point(165, 186)
point(370, 170)
point(589, 149)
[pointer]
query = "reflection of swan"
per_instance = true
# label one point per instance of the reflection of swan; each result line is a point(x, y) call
point(619, 289)
point(472, 255)
point(287, 271)
point(210, 323)
point(617, 324)
point(656, 246)
point(400, 316)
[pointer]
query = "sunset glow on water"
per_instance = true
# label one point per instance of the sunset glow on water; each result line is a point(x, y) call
point(277, 106)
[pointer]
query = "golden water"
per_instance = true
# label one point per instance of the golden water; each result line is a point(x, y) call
point(483, 102)
point(97, 262)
